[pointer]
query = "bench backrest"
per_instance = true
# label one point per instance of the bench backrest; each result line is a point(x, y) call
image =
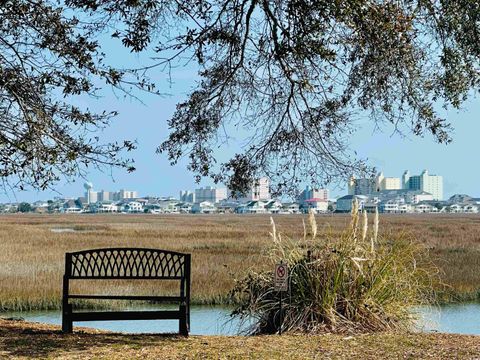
point(127, 263)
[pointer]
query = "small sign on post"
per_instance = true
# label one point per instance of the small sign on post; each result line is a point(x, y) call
point(281, 277)
point(281, 285)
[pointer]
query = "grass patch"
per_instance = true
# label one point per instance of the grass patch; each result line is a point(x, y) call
point(223, 246)
point(353, 282)
point(30, 340)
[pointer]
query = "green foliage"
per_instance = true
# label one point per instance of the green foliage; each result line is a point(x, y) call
point(49, 57)
point(358, 282)
point(293, 76)
point(24, 207)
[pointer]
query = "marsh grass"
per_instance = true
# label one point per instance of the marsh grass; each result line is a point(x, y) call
point(354, 281)
point(222, 247)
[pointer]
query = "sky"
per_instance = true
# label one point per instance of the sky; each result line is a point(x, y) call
point(146, 122)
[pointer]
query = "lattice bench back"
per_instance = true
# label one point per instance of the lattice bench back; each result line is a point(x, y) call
point(125, 263)
point(132, 264)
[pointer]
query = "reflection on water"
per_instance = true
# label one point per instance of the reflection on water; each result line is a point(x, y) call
point(216, 320)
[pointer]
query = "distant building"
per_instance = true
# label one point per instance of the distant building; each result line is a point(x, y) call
point(133, 207)
point(187, 196)
point(344, 204)
point(389, 207)
point(105, 207)
point(290, 208)
point(260, 190)
point(273, 206)
point(367, 186)
point(92, 196)
point(313, 193)
point(253, 207)
point(210, 194)
point(71, 207)
point(203, 207)
point(461, 198)
point(125, 194)
point(404, 196)
point(432, 184)
point(361, 186)
point(317, 205)
point(104, 196)
point(387, 183)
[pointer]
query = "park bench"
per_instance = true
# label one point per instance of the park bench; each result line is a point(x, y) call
point(128, 264)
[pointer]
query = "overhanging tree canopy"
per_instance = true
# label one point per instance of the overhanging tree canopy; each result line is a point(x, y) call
point(48, 59)
point(296, 74)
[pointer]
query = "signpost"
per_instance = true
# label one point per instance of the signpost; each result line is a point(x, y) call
point(281, 285)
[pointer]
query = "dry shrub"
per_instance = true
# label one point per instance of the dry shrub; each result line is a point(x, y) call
point(353, 282)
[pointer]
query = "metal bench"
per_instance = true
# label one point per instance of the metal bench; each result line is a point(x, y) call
point(128, 264)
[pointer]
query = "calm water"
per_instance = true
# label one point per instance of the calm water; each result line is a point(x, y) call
point(458, 319)
point(206, 320)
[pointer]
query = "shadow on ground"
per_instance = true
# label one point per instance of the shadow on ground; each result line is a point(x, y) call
point(23, 339)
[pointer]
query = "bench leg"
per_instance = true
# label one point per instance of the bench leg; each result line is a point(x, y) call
point(67, 323)
point(183, 327)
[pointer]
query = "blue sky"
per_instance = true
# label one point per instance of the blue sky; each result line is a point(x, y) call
point(146, 123)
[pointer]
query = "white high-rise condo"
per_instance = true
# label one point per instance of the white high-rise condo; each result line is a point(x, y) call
point(260, 190)
point(432, 184)
point(210, 194)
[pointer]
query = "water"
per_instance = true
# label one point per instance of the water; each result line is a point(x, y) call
point(204, 320)
point(62, 230)
point(457, 319)
point(215, 320)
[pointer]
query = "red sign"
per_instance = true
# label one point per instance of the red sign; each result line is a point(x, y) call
point(281, 277)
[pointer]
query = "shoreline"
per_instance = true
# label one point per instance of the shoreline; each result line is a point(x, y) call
point(21, 339)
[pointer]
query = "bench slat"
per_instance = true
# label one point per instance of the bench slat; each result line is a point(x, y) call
point(121, 277)
point(126, 315)
point(129, 297)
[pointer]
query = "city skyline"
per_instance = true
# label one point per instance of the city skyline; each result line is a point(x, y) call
point(182, 194)
point(146, 122)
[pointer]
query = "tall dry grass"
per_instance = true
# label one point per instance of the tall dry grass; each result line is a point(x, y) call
point(223, 246)
point(355, 281)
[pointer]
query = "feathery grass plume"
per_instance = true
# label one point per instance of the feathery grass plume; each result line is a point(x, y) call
point(332, 290)
point(273, 234)
point(375, 225)
point(355, 219)
point(313, 223)
point(365, 225)
point(304, 230)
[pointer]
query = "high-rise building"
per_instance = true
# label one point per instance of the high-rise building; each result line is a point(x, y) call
point(104, 196)
point(260, 190)
point(387, 183)
point(313, 193)
point(405, 179)
point(432, 184)
point(187, 196)
point(92, 196)
point(125, 194)
point(210, 194)
point(362, 186)
point(367, 186)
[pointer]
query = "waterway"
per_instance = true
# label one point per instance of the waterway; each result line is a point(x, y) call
point(204, 320)
point(216, 320)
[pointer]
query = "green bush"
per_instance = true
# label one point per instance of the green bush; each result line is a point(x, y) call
point(358, 282)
